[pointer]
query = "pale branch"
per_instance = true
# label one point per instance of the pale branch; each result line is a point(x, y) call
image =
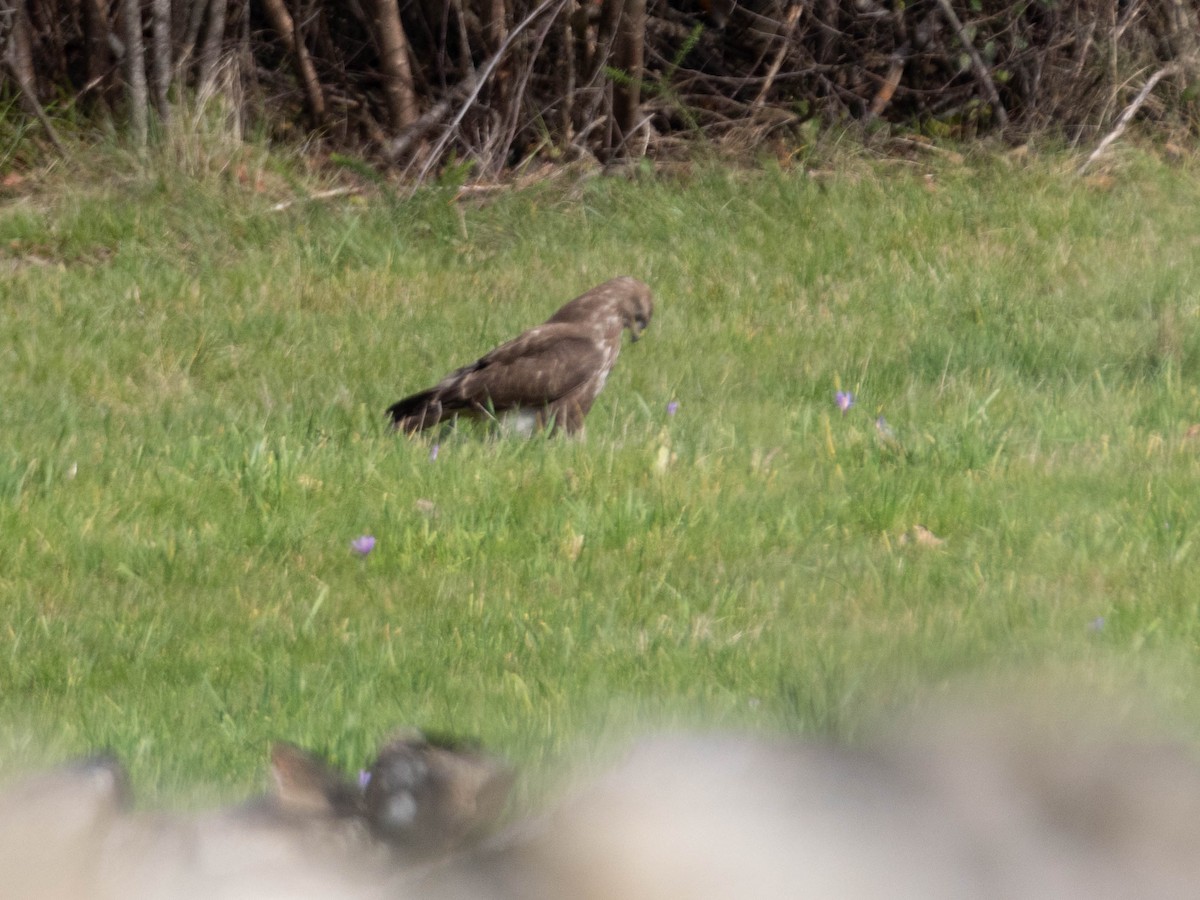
point(423, 125)
point(319, 195)
point(887, 89)
point(793, 16)
point(1129, 113)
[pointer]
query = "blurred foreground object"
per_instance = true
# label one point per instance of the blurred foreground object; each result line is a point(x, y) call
point(984, 801)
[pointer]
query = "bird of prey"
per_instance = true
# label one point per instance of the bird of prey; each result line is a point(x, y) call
point(549, 376)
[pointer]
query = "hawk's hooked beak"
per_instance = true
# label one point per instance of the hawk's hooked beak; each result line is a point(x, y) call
point(636, 328)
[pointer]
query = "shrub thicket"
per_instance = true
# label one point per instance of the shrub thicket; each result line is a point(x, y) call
point(497, 82)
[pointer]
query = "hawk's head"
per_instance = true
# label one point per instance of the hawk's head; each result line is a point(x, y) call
point(636, 304)
point(625, 300)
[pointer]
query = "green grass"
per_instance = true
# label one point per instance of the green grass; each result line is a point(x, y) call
point(191, 434)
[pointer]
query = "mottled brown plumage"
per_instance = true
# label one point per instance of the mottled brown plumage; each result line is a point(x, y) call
point(550, 375)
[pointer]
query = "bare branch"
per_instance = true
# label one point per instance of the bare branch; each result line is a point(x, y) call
point(319, 195)
point(793, 16)
point(981, 70)
point(1129, 113)
point(472, 90)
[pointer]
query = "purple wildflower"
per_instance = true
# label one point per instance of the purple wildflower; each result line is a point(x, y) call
point(364, 778)
point(1097, 624)
point(844, 400)
point(434, 452)
point(363, 545)
point(672, 407)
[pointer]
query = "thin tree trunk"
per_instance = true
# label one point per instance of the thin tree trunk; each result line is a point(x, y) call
point(18, 60)
point(495, 33)
point(191, 36)
point(583, 51)
point(497, 30)
point(161, 16)
point(210, 55)
point(397, 73)
point(18, 54)
point(135, 71)
point(566, 89)
point(283, 23)
point(251, 87)
point(96, 34)
point(607, 28)
point(466, 64)
point(630, 50)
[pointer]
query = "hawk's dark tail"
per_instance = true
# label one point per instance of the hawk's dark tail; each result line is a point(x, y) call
point(415, 413)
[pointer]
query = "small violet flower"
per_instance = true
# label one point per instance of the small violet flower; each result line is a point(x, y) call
point(1097, 624)
point(844, 400)
point(363, 545)
point(434, 452)
point(364, 778)
point(672, 407)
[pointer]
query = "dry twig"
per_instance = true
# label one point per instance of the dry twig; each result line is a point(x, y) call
point(793, 16)
point(1129, 113)
point(319, 195)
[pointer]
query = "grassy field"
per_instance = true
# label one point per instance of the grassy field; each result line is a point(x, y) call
point(191, 435)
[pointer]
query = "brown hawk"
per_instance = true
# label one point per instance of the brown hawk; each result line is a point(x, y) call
point(549, 376)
